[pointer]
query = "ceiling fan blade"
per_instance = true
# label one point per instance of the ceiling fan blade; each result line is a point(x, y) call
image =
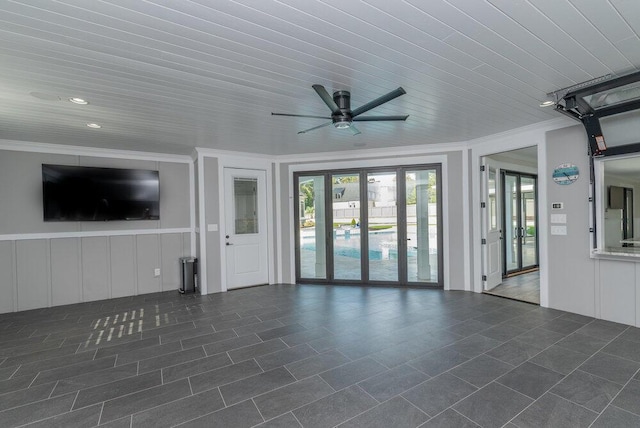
point(315, 127)
point(300, 115)
point(328, 99)
point(375, 103)
point(353, 129)
point(378, 118)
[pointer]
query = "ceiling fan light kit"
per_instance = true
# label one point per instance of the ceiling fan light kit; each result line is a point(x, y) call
point(342, 117)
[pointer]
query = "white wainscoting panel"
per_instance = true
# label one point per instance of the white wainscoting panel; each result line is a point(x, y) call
point(66, 280)
point(33, 274)
point(618, 291)
point(95, 268)
point(7, 277)
point(124, 277)
point(148, 250)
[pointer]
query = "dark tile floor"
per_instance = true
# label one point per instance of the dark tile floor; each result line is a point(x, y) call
point(316, 356)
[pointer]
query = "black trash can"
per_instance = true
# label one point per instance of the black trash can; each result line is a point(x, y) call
point(189, 274)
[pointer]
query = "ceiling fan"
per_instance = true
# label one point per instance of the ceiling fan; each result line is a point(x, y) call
point(342, 116)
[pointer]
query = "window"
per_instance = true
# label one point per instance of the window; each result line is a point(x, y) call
point(618, 180)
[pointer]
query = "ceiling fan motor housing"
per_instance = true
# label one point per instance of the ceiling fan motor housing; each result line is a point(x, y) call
point(343, 100)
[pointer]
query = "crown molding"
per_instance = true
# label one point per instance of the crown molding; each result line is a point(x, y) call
point(28, 146)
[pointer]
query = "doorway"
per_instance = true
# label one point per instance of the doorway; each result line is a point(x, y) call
point(509, 217)
point(246, 242)
point(374, 226)
point(520, 207)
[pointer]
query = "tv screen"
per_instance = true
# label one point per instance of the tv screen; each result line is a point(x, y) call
point(78, 193)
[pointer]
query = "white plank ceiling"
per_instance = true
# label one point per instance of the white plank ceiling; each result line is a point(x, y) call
point(170, 75)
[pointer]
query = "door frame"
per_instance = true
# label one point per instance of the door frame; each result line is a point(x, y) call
point(362, 172)
point(229, 174)
point(489, 239)
point(212, 218)
point(506, 272)
point(501, 144)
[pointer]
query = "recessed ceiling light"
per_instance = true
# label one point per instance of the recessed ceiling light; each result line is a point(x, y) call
point(80, 101)
point(547, 103)
point(94, 125)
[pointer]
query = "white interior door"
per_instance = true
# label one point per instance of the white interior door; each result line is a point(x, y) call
point(491, 225)
point(245, 231)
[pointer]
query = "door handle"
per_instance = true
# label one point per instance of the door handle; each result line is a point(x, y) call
point(229, 243)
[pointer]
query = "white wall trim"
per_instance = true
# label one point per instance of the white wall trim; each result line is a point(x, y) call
point(506, 138)
point(291, 225)
point(278, 221)
point(543, 224)
point(367, 163)
point(192, 209)
point(466, 224)
point(355, 155)
point(202, 264)
point(27, 146)
point(446, 258)
point(222, 227)
point(216, 153)
point(93, 233)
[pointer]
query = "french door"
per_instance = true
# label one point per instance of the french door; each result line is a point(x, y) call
point(520, 208)
point(375, 226)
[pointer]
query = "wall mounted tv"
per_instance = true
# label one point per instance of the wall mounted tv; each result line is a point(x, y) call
point(78, 193)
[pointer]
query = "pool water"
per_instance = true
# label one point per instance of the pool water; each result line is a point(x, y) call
point(382, 246)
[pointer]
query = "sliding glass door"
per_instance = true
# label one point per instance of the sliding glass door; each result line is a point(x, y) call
point(345, 210)
point(422, 220)
point(385, 226)
point(382, 226)
point(312, 248)
point(520, 222)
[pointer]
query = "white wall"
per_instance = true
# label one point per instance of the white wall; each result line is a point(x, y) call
point(43, 265)
point(56, 263)
point(570, 268)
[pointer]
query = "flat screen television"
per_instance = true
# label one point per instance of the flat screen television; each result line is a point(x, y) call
point(79, 193)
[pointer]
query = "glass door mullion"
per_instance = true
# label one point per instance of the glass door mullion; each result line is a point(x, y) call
point(520, 234)
point(364, 227)
point(329, 228)
point(402, 231)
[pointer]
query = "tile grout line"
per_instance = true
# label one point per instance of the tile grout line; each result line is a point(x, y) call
point(616, 396)
point(257, 408)
point(566, 376)
point(101, 411)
